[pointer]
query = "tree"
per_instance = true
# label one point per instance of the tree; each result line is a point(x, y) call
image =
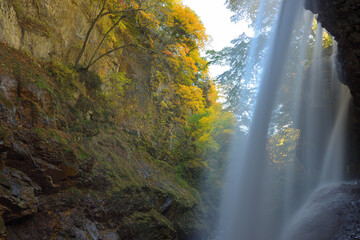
point(239, 83)
point(282, 147)
point(245, 56)
point(178, 45)
point(207, 133)
point(113, 11)
point(250, 11)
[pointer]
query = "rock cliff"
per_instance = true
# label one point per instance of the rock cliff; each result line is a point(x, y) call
point(45, 29)
point(66, 172)
point(62, 179)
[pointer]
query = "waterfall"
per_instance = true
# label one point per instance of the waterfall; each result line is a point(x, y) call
point(262, 193)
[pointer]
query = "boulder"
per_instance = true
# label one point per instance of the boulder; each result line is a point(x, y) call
point(18, 195)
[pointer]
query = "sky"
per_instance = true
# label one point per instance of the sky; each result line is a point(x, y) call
point(216, 19)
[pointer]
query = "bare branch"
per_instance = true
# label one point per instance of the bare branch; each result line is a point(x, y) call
point(108, 32)
point(105, 36)
point(89, 33)
point(108, 52)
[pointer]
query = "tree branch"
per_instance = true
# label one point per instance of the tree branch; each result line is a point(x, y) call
point(105, 36)
point(108, 52)
point(89, 33)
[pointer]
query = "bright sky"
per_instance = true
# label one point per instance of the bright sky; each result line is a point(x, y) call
point(216, 19)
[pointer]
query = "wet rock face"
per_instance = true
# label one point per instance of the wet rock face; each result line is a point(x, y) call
point(23, 108)
point(331, 213)
point(342, 19)
point(30, 165)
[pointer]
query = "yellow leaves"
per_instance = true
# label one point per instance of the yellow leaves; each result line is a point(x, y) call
point(176, 35)
point(113, 37)
point(281, 142)
point(163, 104)
point(121, 27)
point(149, 17)
point(211, 127)
point(282, 146)
point(212, 95)
point(116, 5)
point(134, 4)
point(327, 39)
point(188, 23)
point(160, 76)
point(191, 98)
point(186, 63)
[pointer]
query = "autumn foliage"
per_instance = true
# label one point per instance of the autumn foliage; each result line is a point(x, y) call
point(176, 111)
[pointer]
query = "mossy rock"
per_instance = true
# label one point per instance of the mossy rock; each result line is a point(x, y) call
point(147, 225)
point(2, 229)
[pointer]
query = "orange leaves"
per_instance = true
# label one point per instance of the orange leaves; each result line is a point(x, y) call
point(167, 52)
point(122, 3)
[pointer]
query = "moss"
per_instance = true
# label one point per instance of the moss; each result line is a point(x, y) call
point(151, 224)
point(84, 155)
point(67, 150)
point(23, 68)
point(151, 218)
point(5, 102)
point(92, 81)
point(66, 79)
point(2, 229)
point(3, 180)
point(3, 131)
point(124, 167)
point(39, 133)
point(42, 83)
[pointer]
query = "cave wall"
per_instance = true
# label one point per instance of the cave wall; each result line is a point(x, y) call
point(341, 18)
